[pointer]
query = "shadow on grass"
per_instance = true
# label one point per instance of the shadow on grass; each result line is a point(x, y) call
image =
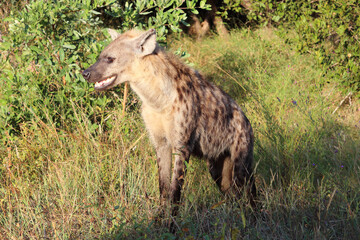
point(297, 199)
point(307, 174)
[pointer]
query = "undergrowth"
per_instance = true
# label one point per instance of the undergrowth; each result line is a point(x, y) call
point(79, 182)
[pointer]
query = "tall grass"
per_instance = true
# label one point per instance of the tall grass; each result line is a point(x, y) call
point(75, 183)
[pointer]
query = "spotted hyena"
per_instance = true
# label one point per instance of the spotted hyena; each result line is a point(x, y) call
point(183, 113)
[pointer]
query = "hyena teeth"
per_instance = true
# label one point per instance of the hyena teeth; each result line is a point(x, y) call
point(105, 82)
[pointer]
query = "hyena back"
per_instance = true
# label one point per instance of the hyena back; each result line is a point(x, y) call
point(183, 113)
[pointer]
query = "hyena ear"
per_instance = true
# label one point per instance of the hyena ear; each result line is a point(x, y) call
point(146, 43)
point(113, 34)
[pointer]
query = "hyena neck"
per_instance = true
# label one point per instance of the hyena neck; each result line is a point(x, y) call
point(152, 82)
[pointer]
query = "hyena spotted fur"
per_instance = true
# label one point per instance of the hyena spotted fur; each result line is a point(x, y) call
point(183, 113)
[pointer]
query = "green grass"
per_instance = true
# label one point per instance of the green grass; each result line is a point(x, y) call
point(74, 184)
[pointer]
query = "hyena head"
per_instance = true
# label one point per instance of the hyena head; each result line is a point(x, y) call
point(115, 63)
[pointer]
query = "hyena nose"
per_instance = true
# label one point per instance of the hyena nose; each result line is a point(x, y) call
point(86, 74)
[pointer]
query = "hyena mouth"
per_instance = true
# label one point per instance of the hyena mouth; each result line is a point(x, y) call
point(105, 83)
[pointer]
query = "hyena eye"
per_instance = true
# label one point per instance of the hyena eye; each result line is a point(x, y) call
point(109, 59)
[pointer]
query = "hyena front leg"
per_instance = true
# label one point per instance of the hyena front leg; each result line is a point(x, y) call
point(164, 160)
point(182, 155)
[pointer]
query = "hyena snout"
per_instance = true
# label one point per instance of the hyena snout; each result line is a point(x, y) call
point(94, 74)
point(86, 74)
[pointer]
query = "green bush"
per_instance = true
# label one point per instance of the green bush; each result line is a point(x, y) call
point(327, 29)
point(49, 43)
point(42, 54)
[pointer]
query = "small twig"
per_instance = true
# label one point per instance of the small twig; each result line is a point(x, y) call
point(329, 203)
point(125, 97)
point(174, 221)
point(115, 95)
point(133, 145)
point(216, 65)
point(334, 65)
point(107, 117)
point(330, 200)
point(342, 102)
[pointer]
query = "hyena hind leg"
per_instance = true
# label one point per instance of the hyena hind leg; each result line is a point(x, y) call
point(221, 170)
point(231, 176)
point(243, 178)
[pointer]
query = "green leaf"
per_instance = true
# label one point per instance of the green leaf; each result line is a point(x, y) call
point(194, 11)
point(61, 54)
point(5, 46)
point(145, 13)
point(341, 30)
point(35, 49)
point(69, 46)
point(191, 197)
point(276, 18)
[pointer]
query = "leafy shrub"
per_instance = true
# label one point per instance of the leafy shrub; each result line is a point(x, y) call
point(163, 15)
point(328, 29)
point(49, 43)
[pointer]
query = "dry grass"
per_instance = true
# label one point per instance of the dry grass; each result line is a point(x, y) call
point(76, 184)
